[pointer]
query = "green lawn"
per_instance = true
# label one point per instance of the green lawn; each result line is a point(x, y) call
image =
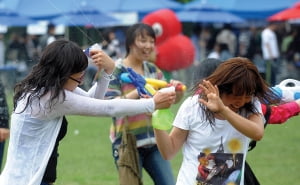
point(85, 154)
point(86, 158)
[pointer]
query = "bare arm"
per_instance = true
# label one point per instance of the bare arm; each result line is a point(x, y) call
point(252, 127)
point(170, 144)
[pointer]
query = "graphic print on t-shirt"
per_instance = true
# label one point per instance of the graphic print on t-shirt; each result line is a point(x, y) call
point(220, 168)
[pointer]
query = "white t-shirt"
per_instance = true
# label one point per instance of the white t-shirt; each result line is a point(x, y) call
point(33, 132)
point(268, 37)
point(213, 155)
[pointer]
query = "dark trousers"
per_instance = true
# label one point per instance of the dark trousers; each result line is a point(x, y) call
point(50, 172)
point(2, 144)
point(272, 69)
point(250, 178)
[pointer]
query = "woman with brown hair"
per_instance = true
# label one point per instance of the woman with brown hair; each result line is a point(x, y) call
point(215, 125)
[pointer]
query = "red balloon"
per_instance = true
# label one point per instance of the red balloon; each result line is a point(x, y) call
point(176, 53)
point(174, 50)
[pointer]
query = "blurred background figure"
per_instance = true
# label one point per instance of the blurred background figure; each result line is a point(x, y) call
point(270, 51)
point(2, 51)
point(111, 44)
point(49, 37)
point(227, 36)
point(4, 119)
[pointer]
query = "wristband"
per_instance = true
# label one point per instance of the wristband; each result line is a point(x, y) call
point(107, 76)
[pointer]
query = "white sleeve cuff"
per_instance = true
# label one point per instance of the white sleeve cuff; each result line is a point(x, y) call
point(107, 76)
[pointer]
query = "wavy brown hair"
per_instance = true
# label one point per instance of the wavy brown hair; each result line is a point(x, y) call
point(238, 76)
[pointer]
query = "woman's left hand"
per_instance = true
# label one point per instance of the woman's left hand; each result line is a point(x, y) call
point(213, 102)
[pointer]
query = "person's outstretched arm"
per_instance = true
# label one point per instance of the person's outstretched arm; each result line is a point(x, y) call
point(281, 113)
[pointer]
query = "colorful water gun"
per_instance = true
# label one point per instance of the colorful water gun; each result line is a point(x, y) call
point(138, 81)
point(288, 90)
point(161, 119)
point(150, 84)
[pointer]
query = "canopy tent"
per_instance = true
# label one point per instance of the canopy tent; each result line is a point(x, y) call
point(199, 12)
point(142, 8)
point(138, 5)
point(47, 9)
point(208, 16)
point(10, 18)
point(126, 10)
point(87, 17)
point(254, 9)
point(287, 14)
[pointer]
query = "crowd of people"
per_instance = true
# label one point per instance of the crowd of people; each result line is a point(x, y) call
point(273, 47)
point(214, 126)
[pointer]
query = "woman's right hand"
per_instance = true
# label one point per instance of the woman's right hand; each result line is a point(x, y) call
point(164, 100)
point(102, 61)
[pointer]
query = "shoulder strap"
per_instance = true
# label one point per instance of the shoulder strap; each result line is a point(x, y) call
point(268, 114)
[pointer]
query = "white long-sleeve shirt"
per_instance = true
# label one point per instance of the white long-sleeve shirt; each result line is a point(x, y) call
point(34, 131)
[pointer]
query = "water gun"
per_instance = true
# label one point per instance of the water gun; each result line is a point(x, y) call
point(138, 81)
point(149, 84)
point(288, 90)
point(158, 84)
point(161, 119)
point(92, 47)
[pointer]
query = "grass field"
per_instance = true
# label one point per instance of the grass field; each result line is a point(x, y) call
point(85, 154)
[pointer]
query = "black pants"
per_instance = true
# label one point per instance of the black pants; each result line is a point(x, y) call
point(50, 173)
point(250, 178)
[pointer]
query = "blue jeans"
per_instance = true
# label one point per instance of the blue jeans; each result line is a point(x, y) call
point(151, 160)
point(1, 153)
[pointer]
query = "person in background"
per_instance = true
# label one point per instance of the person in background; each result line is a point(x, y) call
point(111, 44)
point(227, 36)
point(270, 51)
point(2, 51)
point(220, 51)
point(49, 37)
point(140, 45)
point(50, 92)
point(4, 119)
point(33, 49)
point(216, 124)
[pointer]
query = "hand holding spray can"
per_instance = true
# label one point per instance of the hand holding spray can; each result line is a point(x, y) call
point(88, 53)
point(95, 46)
